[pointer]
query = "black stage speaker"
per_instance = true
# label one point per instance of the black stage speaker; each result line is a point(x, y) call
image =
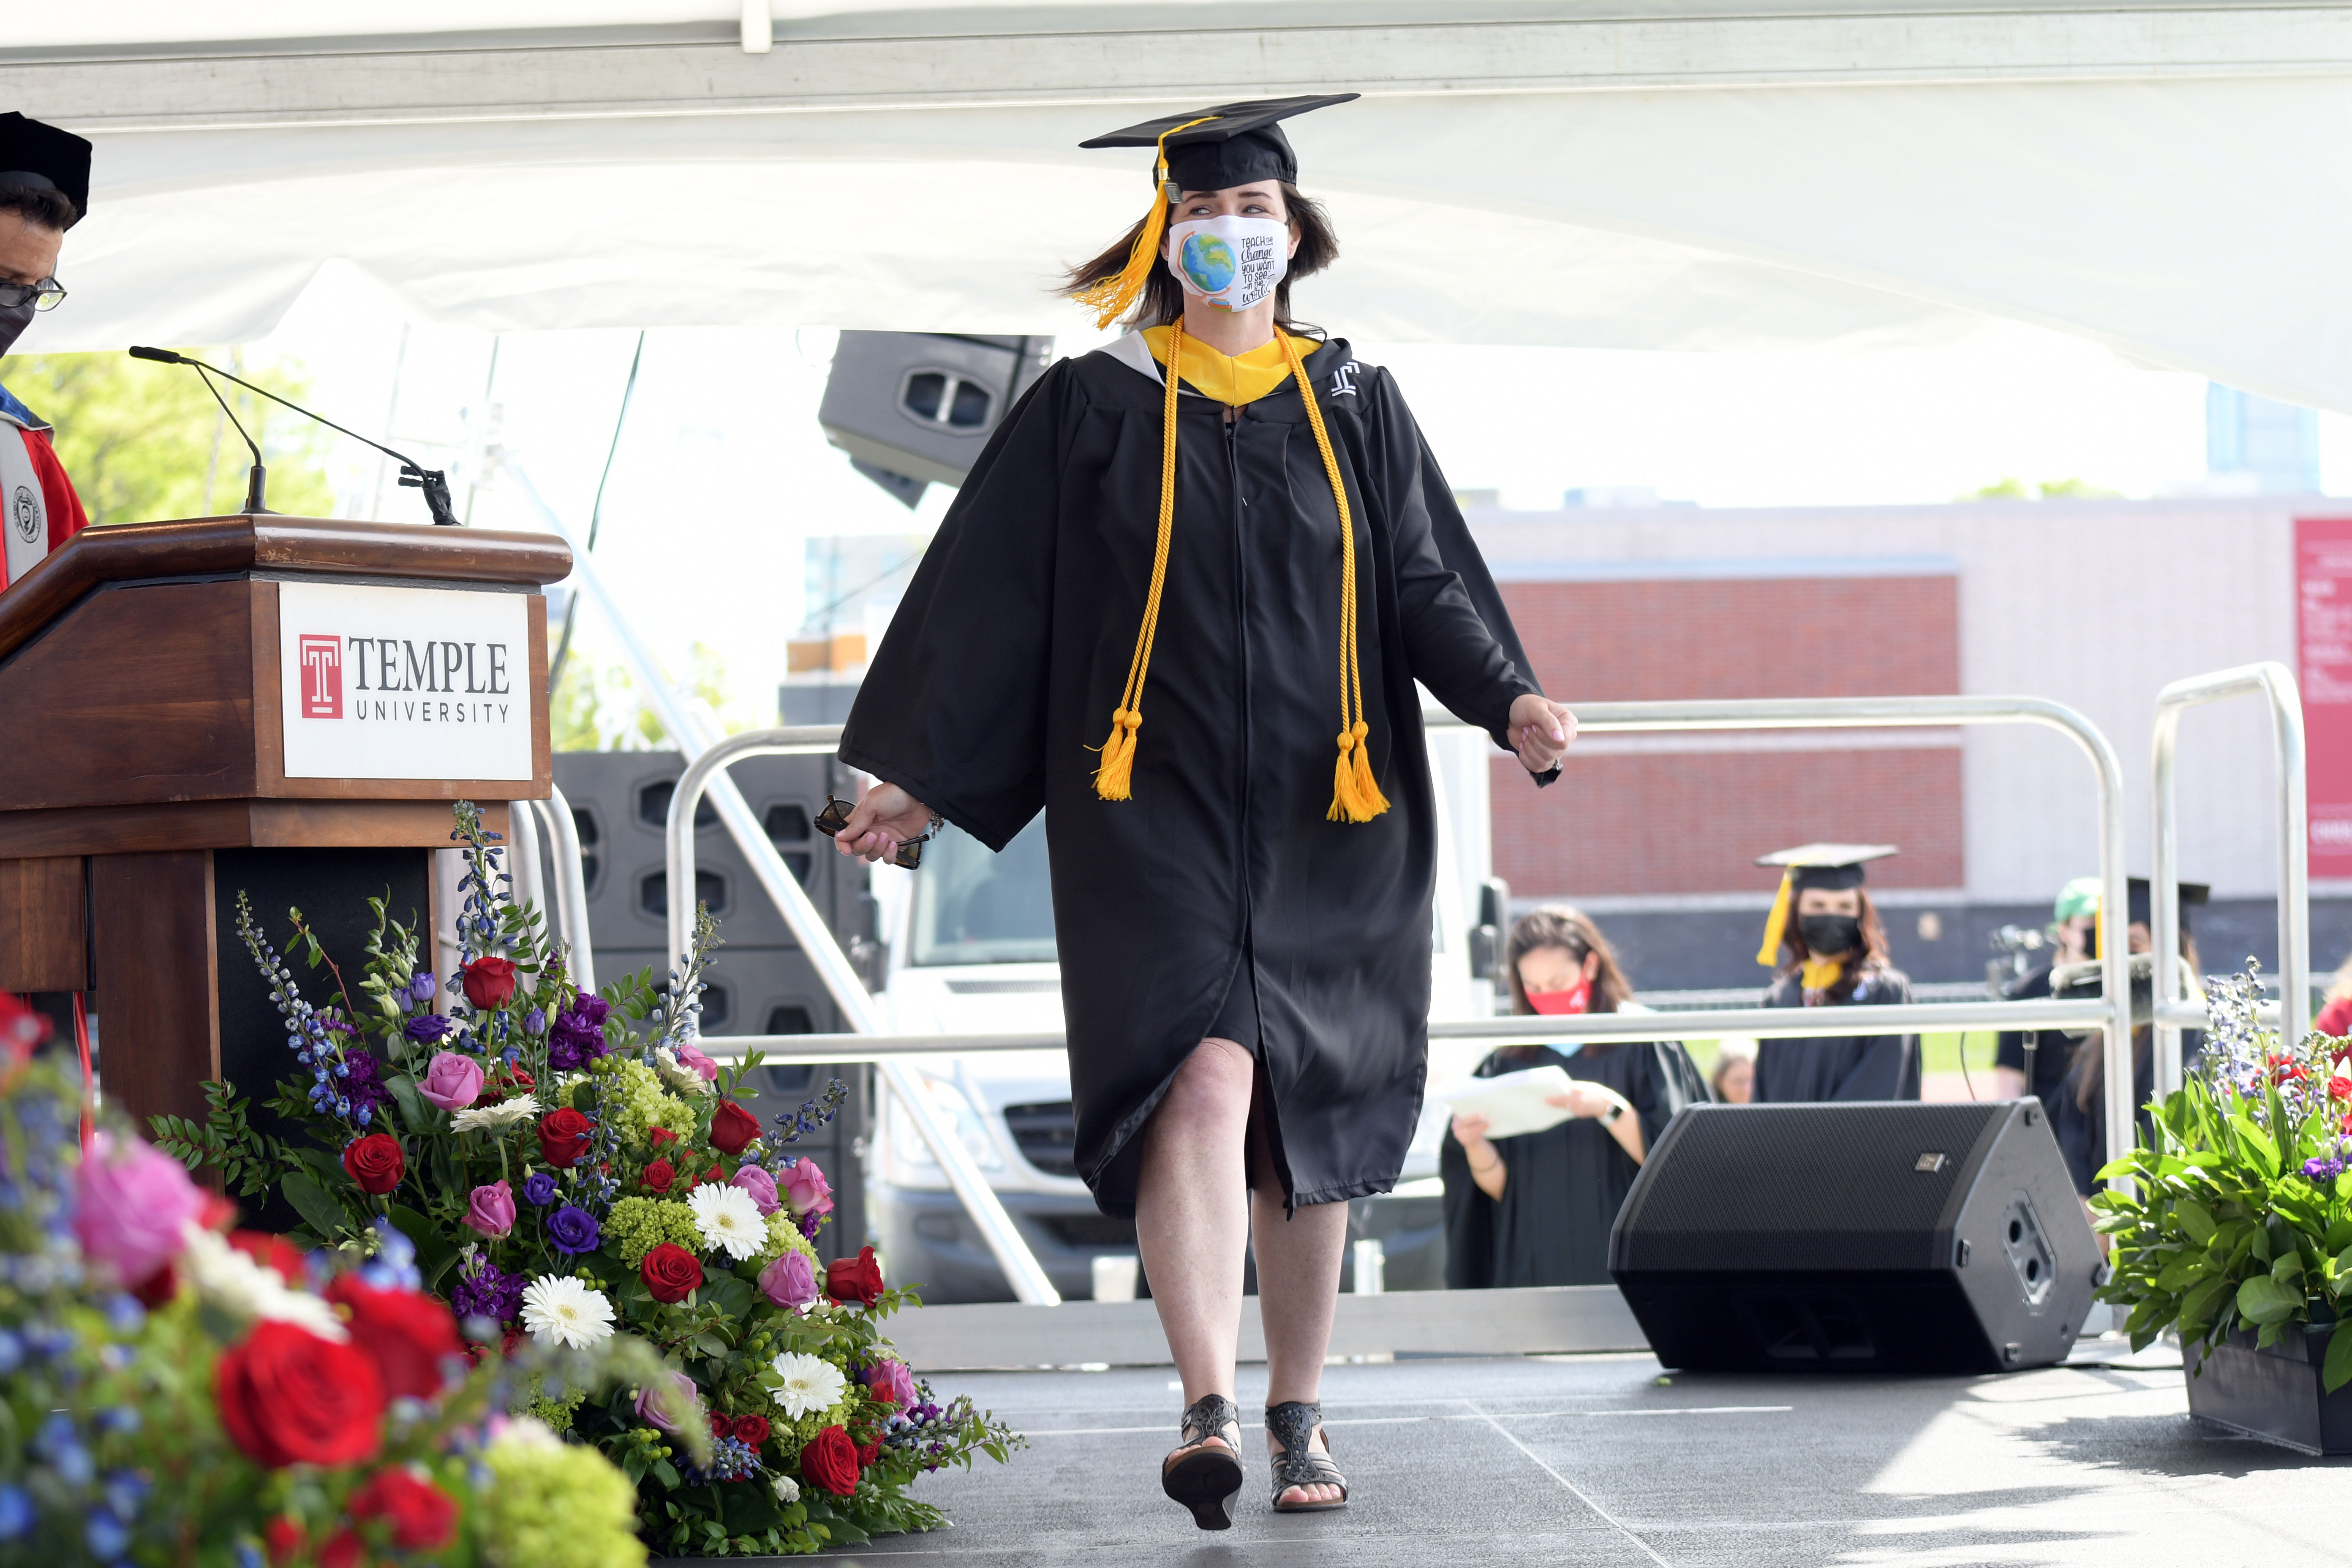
point(915, 408)
point(1889, 1237)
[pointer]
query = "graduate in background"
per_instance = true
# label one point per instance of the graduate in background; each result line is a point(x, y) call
point(2078, 1111)
point(1181, 605)
point(2034, 1061)
point(44, 189)
point(1537, 1209)
point(1835, 953)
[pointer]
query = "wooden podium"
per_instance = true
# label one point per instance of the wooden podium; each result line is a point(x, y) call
point(279, 706)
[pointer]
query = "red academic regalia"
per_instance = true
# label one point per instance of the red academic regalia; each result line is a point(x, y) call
point(38, 508)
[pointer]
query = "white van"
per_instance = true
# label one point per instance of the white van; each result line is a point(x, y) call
point(971, 951)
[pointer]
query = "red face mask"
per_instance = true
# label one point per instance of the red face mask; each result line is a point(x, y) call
point(1577, 998)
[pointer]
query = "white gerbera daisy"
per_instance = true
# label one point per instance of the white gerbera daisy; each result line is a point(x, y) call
point(677, 1074)
point(810, 1383)
point(231, 1281)
point(504, 1113)
point(728, 1217)
point(560, 1311)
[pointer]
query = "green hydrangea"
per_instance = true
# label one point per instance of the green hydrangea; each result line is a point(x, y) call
point(637, 1225)
point(557, 1505)
point(634, 1102)
point(555, 1413)
point(798, 1434)
point(785, 1236)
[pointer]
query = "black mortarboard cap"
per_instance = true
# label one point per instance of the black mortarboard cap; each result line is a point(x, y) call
point(1835, 867)
point(1235, 143)
point(2139, 893)
point(34, 157)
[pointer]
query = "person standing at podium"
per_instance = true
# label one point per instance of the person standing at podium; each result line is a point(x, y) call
point(44, 189)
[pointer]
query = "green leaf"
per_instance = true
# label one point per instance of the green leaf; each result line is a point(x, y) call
point(2196, 1219)
point(2184, 1271)
point(315, 1205)
point(412, 1104)
point(435, 1251)
point(2197, 1307)
point(2262, 1152)
point(2288, 1268)
point(2336, 1370)
point(2263, 1299)
point(666, 1473)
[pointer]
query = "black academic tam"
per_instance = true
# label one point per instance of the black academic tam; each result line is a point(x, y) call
point(1219, 894)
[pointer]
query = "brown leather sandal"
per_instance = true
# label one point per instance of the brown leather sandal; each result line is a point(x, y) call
point(1203, 1479)
point(1293, 1424)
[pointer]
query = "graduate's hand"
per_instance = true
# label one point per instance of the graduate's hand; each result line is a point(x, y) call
point(886, 819)
point(1582, 1100)
point(1471, 1131)
point(1541, 731)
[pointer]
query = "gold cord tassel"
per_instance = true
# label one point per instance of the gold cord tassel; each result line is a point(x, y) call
point(1355, 796)
point(1111, 298)
point(1114, 780)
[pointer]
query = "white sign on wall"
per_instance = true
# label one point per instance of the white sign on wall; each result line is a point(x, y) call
point(404, 683)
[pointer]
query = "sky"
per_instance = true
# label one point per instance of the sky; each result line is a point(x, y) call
point(721, 473)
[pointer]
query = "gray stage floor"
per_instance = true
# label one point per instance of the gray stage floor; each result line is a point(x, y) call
point(1596, 1459)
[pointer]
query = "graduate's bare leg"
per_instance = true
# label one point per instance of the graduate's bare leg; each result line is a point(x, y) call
point(1191, 1214)
point(1297, 1296)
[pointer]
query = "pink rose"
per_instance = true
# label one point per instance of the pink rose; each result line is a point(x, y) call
point(492, 1211)
point(891, 1379)
point(130, 1199)
point(789, 1282)
point(806, 1188)
point(672, 1405)
point(452, 1082)
point(763, 1188)
point(690, 1055)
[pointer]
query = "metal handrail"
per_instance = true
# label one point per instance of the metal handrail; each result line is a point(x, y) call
point(706, 774)
point(2275, 682)
point(568, 894)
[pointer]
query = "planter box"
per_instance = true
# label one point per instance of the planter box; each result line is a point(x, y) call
point(2273, 1394)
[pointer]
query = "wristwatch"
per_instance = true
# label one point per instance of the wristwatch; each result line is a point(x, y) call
point(1609, 1117)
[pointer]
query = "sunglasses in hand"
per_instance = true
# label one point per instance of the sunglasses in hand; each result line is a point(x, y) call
point(836, 817)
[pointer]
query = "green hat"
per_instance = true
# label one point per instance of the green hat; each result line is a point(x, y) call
point(2079, 897)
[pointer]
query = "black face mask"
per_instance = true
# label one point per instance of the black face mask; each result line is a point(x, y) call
point(1826, 936)
point(12, 322)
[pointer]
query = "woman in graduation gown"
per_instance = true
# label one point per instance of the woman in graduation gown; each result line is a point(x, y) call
point(1155, 603)
point(1537, 1209)
point(1825, 921)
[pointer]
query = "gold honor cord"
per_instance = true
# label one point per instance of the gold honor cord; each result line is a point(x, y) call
point(1110, 298)
point(1355, 797)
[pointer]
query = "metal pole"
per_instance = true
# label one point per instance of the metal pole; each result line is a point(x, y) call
point(570, 887)
point(1011, 1252)
point(522, 855)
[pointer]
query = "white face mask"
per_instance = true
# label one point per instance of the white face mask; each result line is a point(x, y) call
point(1230, 262)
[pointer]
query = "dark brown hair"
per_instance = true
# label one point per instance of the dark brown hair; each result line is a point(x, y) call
point(1162, 300)
point(50, 209)
point(1874, 945)
point(1556, 925)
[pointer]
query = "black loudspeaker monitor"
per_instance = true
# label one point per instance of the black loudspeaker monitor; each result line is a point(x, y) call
point(913, 409)
point(1884, 1236)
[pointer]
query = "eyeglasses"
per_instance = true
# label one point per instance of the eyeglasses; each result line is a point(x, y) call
point(45, 295)
point(836, 817)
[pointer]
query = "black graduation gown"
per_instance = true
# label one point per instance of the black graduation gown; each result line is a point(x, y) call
point(1566, 1183)
point(2053, 1050)
point(2082, 1133)
point(1840, 1066)
point(1220, 877)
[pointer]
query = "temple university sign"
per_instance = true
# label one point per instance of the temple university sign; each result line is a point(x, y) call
point(399, 683)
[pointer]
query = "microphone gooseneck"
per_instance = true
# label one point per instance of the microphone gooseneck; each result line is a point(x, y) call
point(433, 482)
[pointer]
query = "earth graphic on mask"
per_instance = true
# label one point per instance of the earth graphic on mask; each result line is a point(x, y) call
point(1208, 262)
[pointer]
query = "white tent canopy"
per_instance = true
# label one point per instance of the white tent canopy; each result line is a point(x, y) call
point(2175, 182)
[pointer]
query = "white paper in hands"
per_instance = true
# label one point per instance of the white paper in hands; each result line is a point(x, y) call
point(1514, 1103)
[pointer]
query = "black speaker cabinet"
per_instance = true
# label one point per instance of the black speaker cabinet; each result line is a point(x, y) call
point(1866, 1237)
point(915, 408)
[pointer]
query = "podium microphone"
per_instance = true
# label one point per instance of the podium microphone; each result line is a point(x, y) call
point(434, 482)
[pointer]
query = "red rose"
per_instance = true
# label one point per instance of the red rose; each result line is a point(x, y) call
point(287, 1397)
point(751, 1430)
point(657, 1176)
point(732, 1127)
point(408, 1334)
point(659, 1136)
point(489, 982)
point(564, 1137)
point(831, 1461)
point(375, 1163)
point(343, 1550)
point(671, 1272)
point(272, 1252)
point(857, 1279)
point(867, 1453)
point(715, 1175)
point(283, 1536)
point(423, 1517)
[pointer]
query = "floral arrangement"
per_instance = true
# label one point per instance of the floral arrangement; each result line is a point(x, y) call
point(2242, 1216)
point(178, 1393)
point(571, 1169)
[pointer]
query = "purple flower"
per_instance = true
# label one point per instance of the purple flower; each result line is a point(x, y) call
point(534, 1021)
point(763, 1188)
point(578, 1035)
point(421, 987)
point(2322, 1169)
point(789, 1282)
point(539, 1188)
point(364, 1082)
point(427, 1027)
point(670, 1404)
point(891, 1379)
point(491, 1210)
point(487, 1292)
point(451, 1081)
point(572, 1230)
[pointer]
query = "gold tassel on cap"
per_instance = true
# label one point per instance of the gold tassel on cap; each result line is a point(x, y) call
point(1110, 298)
point(1777, 923)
